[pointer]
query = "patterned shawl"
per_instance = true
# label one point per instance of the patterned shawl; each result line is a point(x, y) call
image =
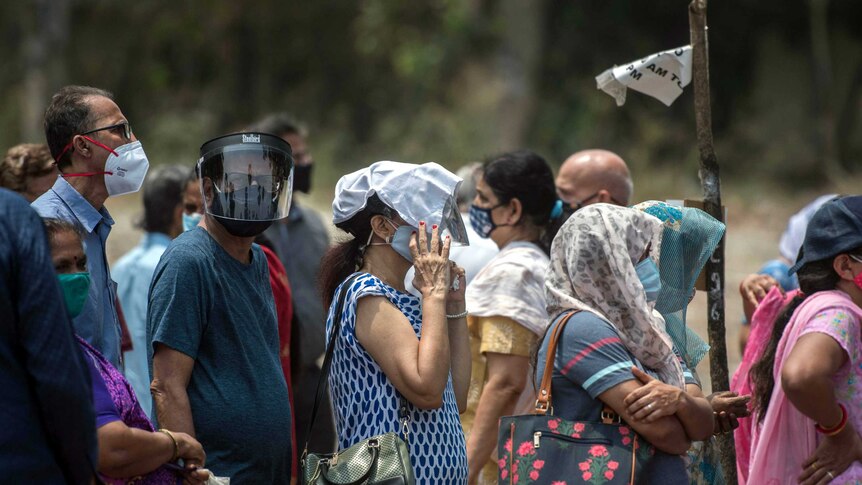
point(593, 260)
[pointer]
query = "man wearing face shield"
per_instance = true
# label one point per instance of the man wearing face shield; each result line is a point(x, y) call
point(300, 240)
point(98, 157)
point(212, 323)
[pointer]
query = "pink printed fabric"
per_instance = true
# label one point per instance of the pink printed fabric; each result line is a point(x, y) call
point(762, 323)
point(787, 437)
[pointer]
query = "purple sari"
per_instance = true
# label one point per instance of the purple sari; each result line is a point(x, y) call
point(131, 414)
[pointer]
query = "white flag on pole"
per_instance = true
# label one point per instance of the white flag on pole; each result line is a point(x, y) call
point(661, 75)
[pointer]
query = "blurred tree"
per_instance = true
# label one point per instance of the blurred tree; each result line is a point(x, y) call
point(46, 31)
point(448, 80)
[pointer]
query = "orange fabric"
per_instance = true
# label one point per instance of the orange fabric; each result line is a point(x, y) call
point(284, 313)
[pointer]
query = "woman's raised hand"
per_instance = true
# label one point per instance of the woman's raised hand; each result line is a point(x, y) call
point(459, 283)
point(431, 263)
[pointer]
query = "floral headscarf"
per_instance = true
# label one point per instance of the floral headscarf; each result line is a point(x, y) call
point(592, 268)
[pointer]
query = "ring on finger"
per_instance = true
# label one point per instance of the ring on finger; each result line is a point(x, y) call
point(831, 476)
point(649, 406)
point(814, 466)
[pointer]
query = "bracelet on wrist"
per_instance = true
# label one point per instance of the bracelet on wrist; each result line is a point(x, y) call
point(837, 428)
point(457, 315)
point(176, 444)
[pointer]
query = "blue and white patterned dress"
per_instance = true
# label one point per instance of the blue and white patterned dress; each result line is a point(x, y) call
point(366, 403)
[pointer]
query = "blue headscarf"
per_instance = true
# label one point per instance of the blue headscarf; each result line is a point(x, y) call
point(689, 238)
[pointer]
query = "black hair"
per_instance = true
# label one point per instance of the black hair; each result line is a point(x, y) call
point(69, 114)
point(813, 277)
point(526, 176)
point(279, 124)
point(163, 192)
point(343, 259)
point(56, 226)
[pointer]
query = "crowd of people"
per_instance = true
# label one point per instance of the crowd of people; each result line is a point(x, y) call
point(236, 340)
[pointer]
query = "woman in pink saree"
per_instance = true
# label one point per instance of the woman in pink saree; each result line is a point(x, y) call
point(808, 380)
point(762, 323)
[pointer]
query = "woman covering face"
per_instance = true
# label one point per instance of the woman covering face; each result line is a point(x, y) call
point(615, 350)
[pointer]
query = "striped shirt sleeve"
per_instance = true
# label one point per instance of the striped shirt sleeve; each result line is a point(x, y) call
point(592, 355)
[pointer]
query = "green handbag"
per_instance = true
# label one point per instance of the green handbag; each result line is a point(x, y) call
point(379, 460)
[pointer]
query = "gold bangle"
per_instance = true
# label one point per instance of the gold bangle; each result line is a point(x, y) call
point(176, 445)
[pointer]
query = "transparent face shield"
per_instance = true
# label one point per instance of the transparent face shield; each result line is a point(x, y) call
point(452, 225)
point(246, 182)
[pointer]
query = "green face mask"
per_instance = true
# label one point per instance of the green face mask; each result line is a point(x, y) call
point(76, 287)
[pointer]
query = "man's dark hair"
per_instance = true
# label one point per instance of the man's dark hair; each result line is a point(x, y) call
point(279, 124)
point(68, 115)
point(163, 192)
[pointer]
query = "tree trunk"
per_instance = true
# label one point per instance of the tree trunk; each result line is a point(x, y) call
point(516, 65)
point(711, 183)
point(825, 147)
point(44, 69)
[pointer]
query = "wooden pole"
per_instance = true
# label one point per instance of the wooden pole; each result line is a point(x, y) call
point(711, 184)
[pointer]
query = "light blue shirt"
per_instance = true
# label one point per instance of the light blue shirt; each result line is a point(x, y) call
point(133, 273)
point(98, 323)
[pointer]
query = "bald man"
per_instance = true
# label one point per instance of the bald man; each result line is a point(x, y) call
point(593, 176)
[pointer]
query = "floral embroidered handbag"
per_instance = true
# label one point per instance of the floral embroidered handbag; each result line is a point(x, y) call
point(542, 449)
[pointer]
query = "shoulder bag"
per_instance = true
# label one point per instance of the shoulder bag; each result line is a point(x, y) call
point(542, 449)
point(379, 460)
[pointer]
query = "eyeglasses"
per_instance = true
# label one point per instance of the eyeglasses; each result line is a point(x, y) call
point(127, 129)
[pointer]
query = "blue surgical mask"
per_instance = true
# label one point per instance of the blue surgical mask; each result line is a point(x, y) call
point(650, 279)
point(481, 220)
point(190, 221)
point(400, 241)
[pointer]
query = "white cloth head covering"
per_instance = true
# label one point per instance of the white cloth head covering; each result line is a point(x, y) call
point(593, 259)
point(423, 192)
point(793, 236)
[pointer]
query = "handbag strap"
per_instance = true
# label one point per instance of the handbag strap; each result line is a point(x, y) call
point(323, 380)
point(543, 402)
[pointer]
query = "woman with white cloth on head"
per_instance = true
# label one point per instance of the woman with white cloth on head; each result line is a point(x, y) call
point(392, 344)
point(516, 206)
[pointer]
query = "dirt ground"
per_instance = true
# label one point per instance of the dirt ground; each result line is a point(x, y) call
point(754, 228)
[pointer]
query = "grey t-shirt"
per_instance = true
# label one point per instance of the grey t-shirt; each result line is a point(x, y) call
point(591, 359)
point(220, 312)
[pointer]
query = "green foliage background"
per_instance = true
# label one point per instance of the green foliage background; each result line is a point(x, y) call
point(422, 80)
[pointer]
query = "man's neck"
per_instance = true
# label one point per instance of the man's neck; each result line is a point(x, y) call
point(239, 248)
point(90, 187)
